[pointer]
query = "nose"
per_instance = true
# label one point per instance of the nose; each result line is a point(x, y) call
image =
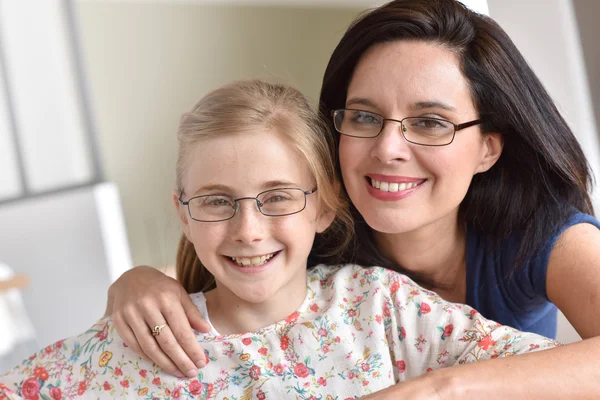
point(247, 226)
point(390, 145)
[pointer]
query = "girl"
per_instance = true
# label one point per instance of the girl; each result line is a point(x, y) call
point(255, 184)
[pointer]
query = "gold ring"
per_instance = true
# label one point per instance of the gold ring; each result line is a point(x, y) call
point(157, 328)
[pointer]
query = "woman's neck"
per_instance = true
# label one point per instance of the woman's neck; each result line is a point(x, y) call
point(436, 253)
point(230, 314)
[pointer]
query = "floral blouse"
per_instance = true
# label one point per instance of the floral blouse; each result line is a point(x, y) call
point(358, 331)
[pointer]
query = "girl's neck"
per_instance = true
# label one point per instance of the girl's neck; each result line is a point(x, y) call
point(435, 252)
point(230, 314)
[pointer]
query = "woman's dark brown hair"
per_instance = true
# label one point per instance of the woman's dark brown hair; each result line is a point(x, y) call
point(542, 175)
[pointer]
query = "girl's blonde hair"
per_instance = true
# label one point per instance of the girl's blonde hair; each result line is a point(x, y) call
point(250, 104)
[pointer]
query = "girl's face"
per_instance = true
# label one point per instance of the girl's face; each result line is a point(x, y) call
point(253, 257)
point(412, 79)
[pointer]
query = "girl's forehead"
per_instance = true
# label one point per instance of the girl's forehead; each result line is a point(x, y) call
point(246, 161)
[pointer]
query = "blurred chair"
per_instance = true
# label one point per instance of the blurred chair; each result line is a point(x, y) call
point(17, 336)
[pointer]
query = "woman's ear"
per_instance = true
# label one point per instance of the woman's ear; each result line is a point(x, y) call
point(182, 212)
point(493, 145)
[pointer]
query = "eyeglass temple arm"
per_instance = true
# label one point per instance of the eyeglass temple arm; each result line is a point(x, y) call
point(467, 124)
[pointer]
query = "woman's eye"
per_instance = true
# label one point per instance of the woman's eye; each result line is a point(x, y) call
point(365, 118)
point(431, 124)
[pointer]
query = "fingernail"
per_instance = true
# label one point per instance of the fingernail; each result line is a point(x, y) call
point(192, 373)
point(179, 374)
point(200, 363)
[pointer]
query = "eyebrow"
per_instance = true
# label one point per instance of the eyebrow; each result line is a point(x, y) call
point(418, 106)
point(227, 189)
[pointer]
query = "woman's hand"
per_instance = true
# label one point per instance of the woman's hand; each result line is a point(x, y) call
point(145, 297)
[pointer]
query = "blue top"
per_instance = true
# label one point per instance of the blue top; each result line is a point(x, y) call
point(518, 299)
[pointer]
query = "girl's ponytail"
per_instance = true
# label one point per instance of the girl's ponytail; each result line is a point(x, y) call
point(190, 272)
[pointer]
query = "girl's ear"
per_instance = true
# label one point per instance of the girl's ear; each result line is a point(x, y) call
point(493, 145)
point(182, 212)
point(325, 219)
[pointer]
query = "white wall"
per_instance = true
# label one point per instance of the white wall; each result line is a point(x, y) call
point(71, 245)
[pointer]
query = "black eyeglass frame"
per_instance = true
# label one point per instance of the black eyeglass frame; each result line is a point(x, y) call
point(236, 203)
point(457, 127)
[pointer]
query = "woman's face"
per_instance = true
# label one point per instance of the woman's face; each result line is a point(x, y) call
point(416, 185)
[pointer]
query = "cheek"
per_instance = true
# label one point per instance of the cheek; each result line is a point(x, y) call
point(207, 238)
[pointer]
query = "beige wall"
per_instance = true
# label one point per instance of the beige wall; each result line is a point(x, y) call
point(587, 13)
point(146, 63)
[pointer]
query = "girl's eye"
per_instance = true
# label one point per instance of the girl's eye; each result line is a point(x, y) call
point(217, 202)
point(275, 198)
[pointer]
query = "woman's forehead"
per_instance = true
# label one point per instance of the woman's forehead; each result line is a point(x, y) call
point(410, 74)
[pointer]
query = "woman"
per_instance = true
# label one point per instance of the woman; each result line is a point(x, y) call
point(462, 175)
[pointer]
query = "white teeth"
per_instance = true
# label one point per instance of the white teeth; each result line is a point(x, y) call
point(392, 187)
point(252, 261)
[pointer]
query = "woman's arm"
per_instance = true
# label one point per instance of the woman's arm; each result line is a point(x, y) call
point(144, 297)
point(566, 372)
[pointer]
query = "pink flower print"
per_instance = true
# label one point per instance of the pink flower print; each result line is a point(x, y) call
point(177, 393)
point(56, 393)
point(156, 381)
point(81, 389)
point(263, 351)
point(40, 372)
point(30, 389)
point(378, 318)
point(322, 332)
point(448, 330)
point(401, 365)
point(292, 317)
point(301, 370)
point(322, 381)
point(195, 387)
point(118, 371)
point(472, 313)
point(254, 372)
point(103, 334)
point(143, 373)
point(337, 339)
point(314, 307)
point(402, 334)
point(325, 348)
point(486, 342)
point(247, 341)
point(278, 369)
point(424, 308)
point(261, 395)
point(365, 366)
point(285, 342)
point(351, 312)
point(395, 286)
point(365, 382)
point(125, 383)
point(107, 386)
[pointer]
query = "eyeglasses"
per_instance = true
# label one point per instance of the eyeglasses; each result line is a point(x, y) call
point(424, 131)
point(272, 203)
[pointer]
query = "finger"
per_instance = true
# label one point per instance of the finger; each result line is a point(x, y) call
point(185, 336)
point(193, 315)
point(150, 346)
point(128, 337)
point(170, 346)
